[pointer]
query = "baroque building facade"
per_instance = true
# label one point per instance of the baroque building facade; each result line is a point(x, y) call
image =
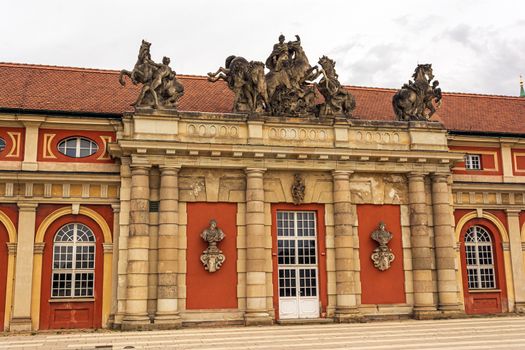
point(142, 218)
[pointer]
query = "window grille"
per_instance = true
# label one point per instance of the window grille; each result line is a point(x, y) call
point(480, 259)
point(73, 262)
point(473, 162)
point(77, 147)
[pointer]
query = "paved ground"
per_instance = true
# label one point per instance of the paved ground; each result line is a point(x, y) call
point(478, 333)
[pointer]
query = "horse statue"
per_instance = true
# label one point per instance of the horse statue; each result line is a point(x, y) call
point(414, 101)
point(246, 80)
point(295, 71)
point(338, 100)
point(143, 70)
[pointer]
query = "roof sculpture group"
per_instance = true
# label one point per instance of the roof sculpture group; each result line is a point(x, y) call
point(288, 89)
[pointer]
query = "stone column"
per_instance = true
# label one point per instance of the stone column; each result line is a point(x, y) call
point(256, 309)
point(114, 266)
point(136, 315)
point(344, 218)
point(444, 243)
point(424, 305)
point(21, 317)
point(516, 255)
point(167, 315)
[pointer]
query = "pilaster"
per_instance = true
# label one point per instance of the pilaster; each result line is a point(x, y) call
point(516, 254)
point(21, 316)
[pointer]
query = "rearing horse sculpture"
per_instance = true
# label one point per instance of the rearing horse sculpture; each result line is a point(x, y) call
point(414, 100)
point(143, 70)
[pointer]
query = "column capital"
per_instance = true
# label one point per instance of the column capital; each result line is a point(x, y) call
point(512, 212)
point(11, 248)
point(116, 208)
point(255, 171)
point(27, 206)
point(38, 248)
point(342, 174)
point(416, 174)
point(140, 169)
point(166, 169)
point(440, 176)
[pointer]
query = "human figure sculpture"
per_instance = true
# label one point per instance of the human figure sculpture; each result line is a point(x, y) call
point(298, 189)
point(160, 85)
point(415, 100)
point(338, 100)
point(212, 258)
point(279, 55)
point(382, 256)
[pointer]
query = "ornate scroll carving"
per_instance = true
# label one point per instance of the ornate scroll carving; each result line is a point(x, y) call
point(212, 258)
point(415, 100)
point(298, 188)
point(160, 85)
point(382, 255)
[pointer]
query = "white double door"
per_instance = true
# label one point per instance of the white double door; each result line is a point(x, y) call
point(298, 273)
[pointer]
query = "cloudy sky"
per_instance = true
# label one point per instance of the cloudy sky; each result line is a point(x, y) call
point(474, 45)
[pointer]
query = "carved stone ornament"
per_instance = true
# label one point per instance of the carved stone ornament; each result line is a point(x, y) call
point(382, 255)
point(212, 258)
point(288, 89)
point(298, 188)
point(160, 89)
point(415, 100)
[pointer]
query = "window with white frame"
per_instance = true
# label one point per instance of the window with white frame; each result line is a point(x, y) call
point(73, 262)
point(480, 259)
point(473, 162)
point(77, 147)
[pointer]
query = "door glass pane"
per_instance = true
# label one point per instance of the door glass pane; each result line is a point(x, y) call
point(287, 283)
point(308, 282)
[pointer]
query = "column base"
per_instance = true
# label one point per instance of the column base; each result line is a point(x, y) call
point(425, 314)
point(20, 324)
point(519, 307)
point(136, 323)
point(257, 319)
point(347, 315)
point(167, 321)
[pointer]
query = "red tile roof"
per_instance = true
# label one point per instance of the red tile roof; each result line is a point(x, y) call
point(80, 90)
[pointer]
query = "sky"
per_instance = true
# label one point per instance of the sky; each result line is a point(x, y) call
point(474, 46)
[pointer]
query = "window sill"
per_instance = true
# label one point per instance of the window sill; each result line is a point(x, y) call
point(71, 300)
point(484, 290)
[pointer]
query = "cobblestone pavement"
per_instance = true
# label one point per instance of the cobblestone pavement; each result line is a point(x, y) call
point(459, 334)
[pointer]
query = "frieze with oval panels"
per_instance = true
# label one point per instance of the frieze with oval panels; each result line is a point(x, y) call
point(298, 134)
point(212, 130)
point(377, 137)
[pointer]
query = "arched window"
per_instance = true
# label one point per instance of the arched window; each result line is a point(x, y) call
point(480, 259)
point(73, 262)
point(77, 147)
point(2, 144)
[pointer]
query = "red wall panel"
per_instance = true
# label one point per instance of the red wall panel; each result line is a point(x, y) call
point(48, 140)
point(380, 287)
point(491, 161)
point(14, 144)
point(217, 290)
